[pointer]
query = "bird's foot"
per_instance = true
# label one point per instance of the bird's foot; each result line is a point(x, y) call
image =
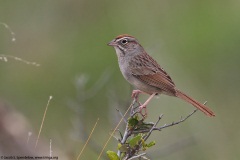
point(143, 110)
point(135, 94)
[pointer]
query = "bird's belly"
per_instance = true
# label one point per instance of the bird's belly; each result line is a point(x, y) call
point(138, 84)
point(145, 87)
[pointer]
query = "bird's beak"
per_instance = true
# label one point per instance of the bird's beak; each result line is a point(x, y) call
point(112, 43)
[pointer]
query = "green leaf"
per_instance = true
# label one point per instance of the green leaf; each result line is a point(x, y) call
point(134, 141)
point(119, 145)
point(146, 146)
point(112, 155)
point(122, 147)
point(152, 143)
point(133, 121)
point(143, 127)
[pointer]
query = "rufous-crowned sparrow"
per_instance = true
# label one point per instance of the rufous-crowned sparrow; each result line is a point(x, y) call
point(143, 72)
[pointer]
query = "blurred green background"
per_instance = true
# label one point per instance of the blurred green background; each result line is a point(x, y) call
point(197, 42)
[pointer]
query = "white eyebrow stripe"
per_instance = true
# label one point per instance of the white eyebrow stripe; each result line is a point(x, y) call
point(122, 38)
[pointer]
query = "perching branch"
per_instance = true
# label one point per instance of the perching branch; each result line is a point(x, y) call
point(137, 132)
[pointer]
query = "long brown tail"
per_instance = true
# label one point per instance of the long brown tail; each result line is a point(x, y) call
point(195, 103)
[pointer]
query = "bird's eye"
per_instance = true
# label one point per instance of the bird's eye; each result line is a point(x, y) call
point(124, 41)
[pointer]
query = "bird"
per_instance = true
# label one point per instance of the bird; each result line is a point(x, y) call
point(145, 74)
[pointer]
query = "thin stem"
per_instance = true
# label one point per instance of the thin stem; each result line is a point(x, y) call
point(154, 126)
point(114, 131)
point(126, 134)
point(137, 156)
point(175, 123)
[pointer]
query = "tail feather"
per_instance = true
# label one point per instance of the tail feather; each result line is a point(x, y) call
point(195, 103)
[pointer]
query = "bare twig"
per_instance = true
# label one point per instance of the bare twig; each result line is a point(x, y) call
point(169, 125)
point(175, 123)
point(126, 134)
point(131, 152)
point(150, 132)
point(50, 148)
point(6, 57)
point(114, 131)
point(122, 115)
point(10, 30)
point(45, 112)
point(137, 156)
point(88, 139)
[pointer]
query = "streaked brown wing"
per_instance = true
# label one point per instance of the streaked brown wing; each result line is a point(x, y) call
point(150, 72)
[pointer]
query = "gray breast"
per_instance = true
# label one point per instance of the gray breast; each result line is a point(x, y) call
point(138, 84)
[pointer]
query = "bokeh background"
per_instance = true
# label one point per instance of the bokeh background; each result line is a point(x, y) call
point(197, 42)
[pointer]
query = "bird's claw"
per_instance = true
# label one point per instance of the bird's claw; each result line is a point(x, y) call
point(141, 108)
point(135, 93)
